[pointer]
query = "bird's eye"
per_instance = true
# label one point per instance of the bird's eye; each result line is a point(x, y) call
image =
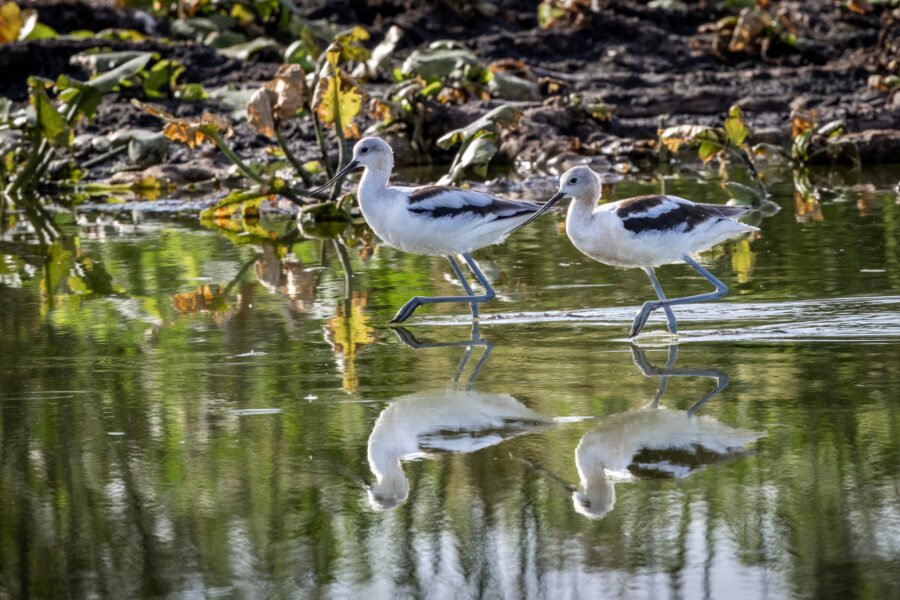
point(573, 180)
point(363, 150)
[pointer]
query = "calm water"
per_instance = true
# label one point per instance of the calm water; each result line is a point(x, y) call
point(189, 414)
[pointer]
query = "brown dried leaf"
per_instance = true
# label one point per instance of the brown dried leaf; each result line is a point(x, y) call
point(259, 111)
point(290, 90)
point(187, 132)
point(751, 24)
point(860, 7)
point(801, 121)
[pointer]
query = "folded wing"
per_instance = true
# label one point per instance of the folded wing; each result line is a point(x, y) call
point(439, 202)
point(647, 214)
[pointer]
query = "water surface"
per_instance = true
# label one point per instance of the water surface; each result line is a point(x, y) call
point(190, 414)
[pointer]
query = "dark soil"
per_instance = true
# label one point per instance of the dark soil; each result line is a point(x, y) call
point(652, 66)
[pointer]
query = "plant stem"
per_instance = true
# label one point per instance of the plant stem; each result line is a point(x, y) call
point(222, 145)
point(298, 167)
point(105, 156)
point(317, 125)
point(342, 155)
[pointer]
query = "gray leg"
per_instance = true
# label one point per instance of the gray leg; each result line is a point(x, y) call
point(670, 316)
point(465, 284)
point(721, 289)
point(410, 307)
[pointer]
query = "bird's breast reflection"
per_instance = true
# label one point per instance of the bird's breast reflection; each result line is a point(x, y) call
point(450, 421)
point(652, 441)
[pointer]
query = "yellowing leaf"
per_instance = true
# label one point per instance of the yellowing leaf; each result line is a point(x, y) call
point(675, 137)
point(192, 133)
point(204, 298)
point(347, 333)
point(801, 121)
point(15, 23)
point(735, 127)
point(742, 259)
point(338, 100)
point(858, 6)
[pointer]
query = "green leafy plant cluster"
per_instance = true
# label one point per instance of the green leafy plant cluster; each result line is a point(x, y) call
point(721, 143)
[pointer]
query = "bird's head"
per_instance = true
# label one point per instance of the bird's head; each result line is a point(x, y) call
point(580, 183)
point(368, 153)
point(372, 152)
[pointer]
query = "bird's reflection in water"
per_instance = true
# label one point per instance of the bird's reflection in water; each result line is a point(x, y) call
point(653, 441)
point(458, 419)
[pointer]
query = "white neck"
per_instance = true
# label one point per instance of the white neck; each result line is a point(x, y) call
point(374, 181)
point(581, 223)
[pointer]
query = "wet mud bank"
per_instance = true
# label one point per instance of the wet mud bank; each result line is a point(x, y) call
point(600, 80)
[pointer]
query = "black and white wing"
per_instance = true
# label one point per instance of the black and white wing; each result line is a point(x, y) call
point(440, 202)
point(658, 214)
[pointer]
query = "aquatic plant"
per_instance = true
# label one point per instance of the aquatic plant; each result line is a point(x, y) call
point(810, 140)
point(719, 143)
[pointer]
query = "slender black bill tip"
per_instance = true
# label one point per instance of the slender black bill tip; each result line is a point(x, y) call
point(352, 165)
point(553, 200)
point(544, 208)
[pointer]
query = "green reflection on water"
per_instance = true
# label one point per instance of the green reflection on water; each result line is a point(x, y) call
point(183, 413)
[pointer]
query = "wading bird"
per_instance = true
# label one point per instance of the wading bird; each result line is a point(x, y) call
point(432, 220)
point(646, 232)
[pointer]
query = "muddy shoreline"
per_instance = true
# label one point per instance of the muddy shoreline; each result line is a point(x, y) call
point(651, 67)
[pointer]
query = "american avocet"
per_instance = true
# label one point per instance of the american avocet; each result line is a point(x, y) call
point(432, 220)
point(645, 232)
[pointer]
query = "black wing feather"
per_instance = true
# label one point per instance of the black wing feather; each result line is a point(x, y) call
point(427, 201)
point(638, 215)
